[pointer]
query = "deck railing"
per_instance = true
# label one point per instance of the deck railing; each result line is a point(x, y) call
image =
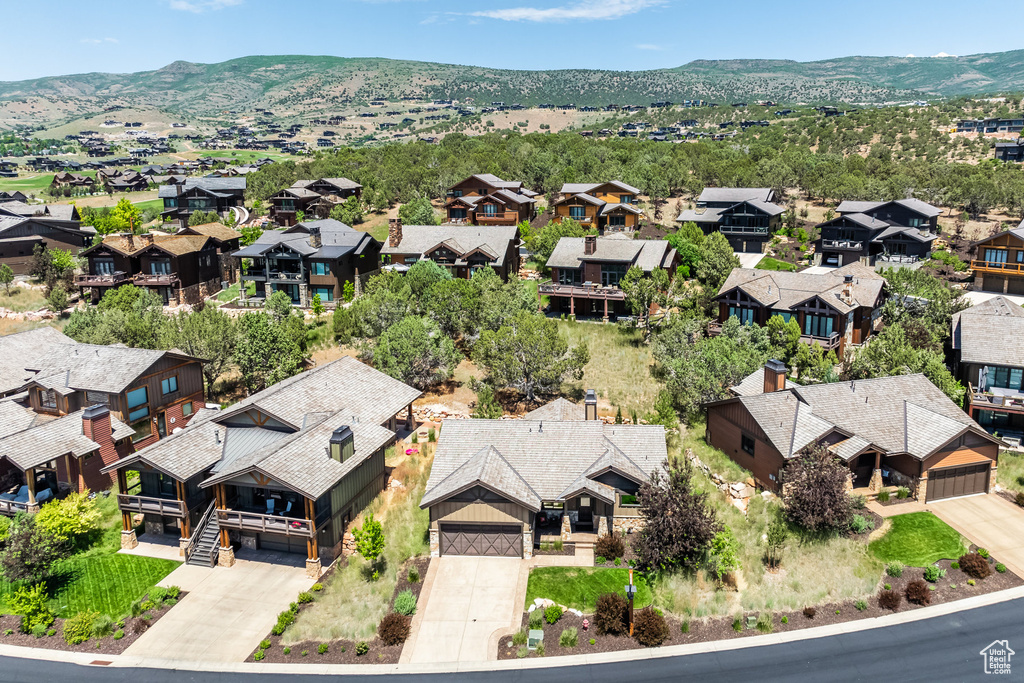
point(997, 265)
point(584, 291)
point(255, 521)
point(989, 399)
point(114, 278)
point(827, 343)
point(11, 507)
point(156, 280)
point(155, 506)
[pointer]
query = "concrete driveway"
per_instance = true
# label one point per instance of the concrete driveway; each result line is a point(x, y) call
point(748, 260)
point(228, 610)
point(465, 600)
point(989, 521)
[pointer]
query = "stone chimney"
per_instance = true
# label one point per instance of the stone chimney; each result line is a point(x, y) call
point(590, 405)
point(314, 238)
point(847, 293)
point(589, 245)
point(394, 232)
point(147, 238)
point(129, 238)
point(774, 376)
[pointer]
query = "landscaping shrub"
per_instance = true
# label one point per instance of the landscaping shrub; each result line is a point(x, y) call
point(522, 652)
point(51, 632)
point(785, 620)
point(322, 648)
point(393, 628)
point(617, 561)
point(316, 587)
point(102, 626)
point(265, 644)
point(894, 569)
point(918, 593)
point(405, 603)
point(649, 628)
point(599, 559)
point(362, 648)
point(954, 565)
point(737, 624)
point(540, 649)
point(30, 603)
point(1019, 499)
point(902, 492)
point(259, 655)
point(414, 574)
point(287, 651)
point(78, 628)
point(861, 605)
point(982, 552)
point(970, 582)
point(679, 525)
point(684, 627)
point(815, 496)
point(68, 519)
point(118, 634)
point(889, 599)
point(39, 630)
point(933, 573)
point(173, 592)
point(610, 614)
point(809, 612)
point(764, 622)
point(304, 653)
point(5, 528)
point(520, 637)
point(1001, 568)
point(974, 565)
point(610, 546)
point(569, 637)
point(883, 496)
point(858, 502)
point(859, 524)
point(592, 641)
point(552, 614)
point(30, 553)
point(284, 620)
point(305, 597)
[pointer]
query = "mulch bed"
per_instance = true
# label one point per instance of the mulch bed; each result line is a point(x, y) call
point(721, 628)
point(871, 516)
point(344, 651)
point(624, 561)
point(133, 628)
point(893, 500)
point(568, 549)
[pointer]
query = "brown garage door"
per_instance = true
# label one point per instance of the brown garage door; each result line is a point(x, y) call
point(992, 283)
point(1015, 285)
point(957, 481)
point(498, 540)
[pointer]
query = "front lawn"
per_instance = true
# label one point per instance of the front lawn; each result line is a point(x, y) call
point(769, 263)
point(918, 539)
point(580, 587)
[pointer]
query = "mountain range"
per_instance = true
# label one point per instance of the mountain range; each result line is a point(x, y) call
point(309, 84)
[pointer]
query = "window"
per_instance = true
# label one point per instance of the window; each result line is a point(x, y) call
point(577, 212)
point(456, 193)
point(103, 266)
point(995, 257)
point(568, 276)
point(186, 409)
point(143, 430)
point(745, 315)
point(1002, 377)
point(747, 444)
point(818, 325)
point(48, 398)
point(320, 268)
point(97, 398)
point(490, 209)
point(326, 293)
point(160, 266)
point(138, 404)
point(626, 199)
point(169, 385)
point(610, 275)
point(617, 220)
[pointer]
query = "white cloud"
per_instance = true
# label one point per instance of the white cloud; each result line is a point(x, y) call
point(585, 10)
point(98, 41)
point(648, 46)
point(200, 6)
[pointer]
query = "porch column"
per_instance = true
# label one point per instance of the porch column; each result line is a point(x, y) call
point(566, 525)
point(312, 549)
point(186, 531)
point(80, 473)
point(30, 480)
point(606, 309)
point(410, 423)
point(226, 556)
point(876, 474)
point(571, 304)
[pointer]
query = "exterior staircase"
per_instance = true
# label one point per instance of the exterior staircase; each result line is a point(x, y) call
point(204, 544)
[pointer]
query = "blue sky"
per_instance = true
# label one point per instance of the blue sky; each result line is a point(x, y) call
point(75, 37)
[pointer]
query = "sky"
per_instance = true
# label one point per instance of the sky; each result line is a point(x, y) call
point(121, 37)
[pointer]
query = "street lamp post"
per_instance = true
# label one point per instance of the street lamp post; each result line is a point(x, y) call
point(630, 594)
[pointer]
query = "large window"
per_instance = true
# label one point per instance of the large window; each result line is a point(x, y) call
point(610, 275)
point(577, 213)
point(747, 444)
point(626, 199)
point(169, 385)
point(160, 266)
point(818, 325)
point(48, 399)
point(326, 293)
point(995, 256)
point(745, 315)
point(320, 268)
point(569, 276)
point(617, 220)
point(1002, 378)
point(490, 209)
point(138, 404)
point(103, 265)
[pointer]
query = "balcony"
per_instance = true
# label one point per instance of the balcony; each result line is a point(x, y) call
point(103, 280)
point(258, 275)
point(167, 507)
point(587, 290)
point(255, 521)
point(842, 245)
point(998, 267)
point(996, 398)
point(826, 343)
point(742, 230)
point(287, 277)
point(500, 218)
point(156, 280)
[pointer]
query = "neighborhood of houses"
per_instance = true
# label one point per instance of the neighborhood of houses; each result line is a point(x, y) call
point(285, 476)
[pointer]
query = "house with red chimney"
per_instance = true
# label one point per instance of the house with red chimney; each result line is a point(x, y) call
point(460, 249)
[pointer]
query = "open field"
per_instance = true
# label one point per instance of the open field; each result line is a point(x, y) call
point(22, 299)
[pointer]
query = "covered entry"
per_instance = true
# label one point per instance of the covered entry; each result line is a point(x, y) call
point(495, 540)
point(951, 482)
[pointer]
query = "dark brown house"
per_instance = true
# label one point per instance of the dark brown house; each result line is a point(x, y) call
point(900, 231)
point(748, 217)
point(834, 309)
point(461, 249)
point(20, 235)
point(217, 195)
point(486, 199)
point(314, 198)
point(891, 431)
point(180, 268)
point(585, 272)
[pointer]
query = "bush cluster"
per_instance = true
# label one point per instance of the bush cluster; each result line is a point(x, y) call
point(393, 628)
point(405, 603)
point(284, 620)
point(30, 603)
point(974, 565)
point(649, 628)
point(809, 612)
point(610, 614)
point(933, 573)
point(536, 619)
point(569, 637)
point(362, 647)
point(918, 593)
point(894, 569)
point(610, 547)
point(79, 628)
point(552, 614)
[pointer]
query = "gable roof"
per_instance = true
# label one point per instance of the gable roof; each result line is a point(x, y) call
point(336, 240)
point(98, 368)
point(217, 231)
point(735, 194)
point(131, 245)
point(1017, 232)
point(586, 188)
point(559, 409)
point(991, 333)
point(490, 469)
point(22, 355)
point(462, 239)
point(915, 205)
point(48, 440)
point(753, 384)
point(646, 254)
point(782, 290)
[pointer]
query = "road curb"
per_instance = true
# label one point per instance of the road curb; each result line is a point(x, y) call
point(124, 661)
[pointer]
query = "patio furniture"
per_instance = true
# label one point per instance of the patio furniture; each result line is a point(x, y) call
point(270, 506)
point(287, 509)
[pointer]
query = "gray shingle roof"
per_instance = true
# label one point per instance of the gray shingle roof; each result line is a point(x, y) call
point(419, 239)
point(22, 354)
point(735, 194)
point(991, 333)
point(923, 208)
point(559, 409)
point(490, 469)
point(753, 384)
point(52, 439)
point(336, 240)
point(549, 456)
point(99, 368)
point(584, 188)
point(647, 254)
point(708, 215)
point(782, 290)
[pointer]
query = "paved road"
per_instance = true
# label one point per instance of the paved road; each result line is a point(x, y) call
point(943, 648)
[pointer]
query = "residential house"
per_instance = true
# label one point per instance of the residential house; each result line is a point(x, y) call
point(19, 236)
point(890, 431)
point(15, 196)
point(226, 242)
point(181, 269)
point(900, 231)
point(286, 469)
point(988, 359)
point(314, 198)
point(309, 259)
point(215, 195)
point(747, 216)
point(998, 265)
point(486, 199)
point(124, 181)
point(23, 353)
point(1010, 151)
point(461, 249)
point(834, 309)
point(585, 272)
point(59, 212)
point(609, 207)
point(498, 487)
point(72, 180)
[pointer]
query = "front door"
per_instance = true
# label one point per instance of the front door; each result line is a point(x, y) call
point(586, 512)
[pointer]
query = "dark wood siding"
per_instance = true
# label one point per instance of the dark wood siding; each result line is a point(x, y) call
point(727, 424)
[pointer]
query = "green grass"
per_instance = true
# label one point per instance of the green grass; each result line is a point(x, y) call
point(769, 263)
point(233, 291)
point(29, 183)
point(245, 155)
point(619, 367)
point(718, 461)
point(579, 587)
point(99, 578)
point(22, 299)
point(918, 539)
point(1010, 473)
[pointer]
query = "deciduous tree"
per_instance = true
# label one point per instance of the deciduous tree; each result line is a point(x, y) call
point(416, 352)
point(679, 526)
point(814, 491)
